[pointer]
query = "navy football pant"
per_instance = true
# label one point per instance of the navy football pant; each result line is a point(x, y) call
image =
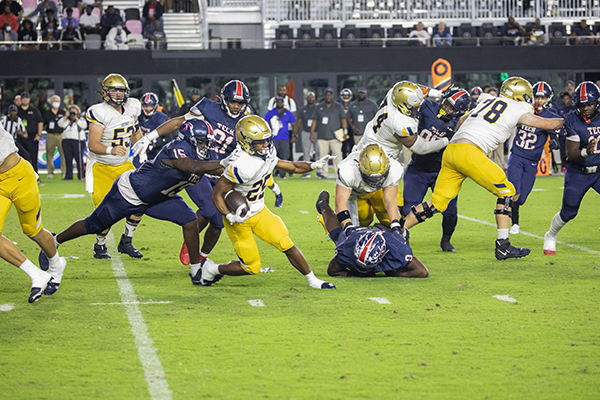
point(521, 173)
point(576, 186)
point(201, 193)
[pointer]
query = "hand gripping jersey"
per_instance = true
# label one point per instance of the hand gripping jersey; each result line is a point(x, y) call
point(578, 131)
point(385, 126)
point(224, 141)
point(492, 121)
point(350, 178)
point(529, 142)
point(118, 128)
point(250, 175)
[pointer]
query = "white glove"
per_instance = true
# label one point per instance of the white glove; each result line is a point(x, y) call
point(236, 219)
point(322, 162)
point(143, 157)
point(141, 145)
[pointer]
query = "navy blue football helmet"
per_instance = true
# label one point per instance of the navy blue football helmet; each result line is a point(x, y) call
point(369, 250)
point(235, 91)
point(460, 101)
point(476, 90)
point(542, 89)
point(585, 94)
point(149, 104)
point(198, 132)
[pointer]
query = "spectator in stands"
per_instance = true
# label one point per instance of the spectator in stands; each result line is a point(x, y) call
point(152, 11)
point(194, 97)
point(50, 35)
point(329, 119)
point(421, 34)
point(302, 129)
point(570, 87)
point(537, 34)
point(360, 113)
point(17, 100)
point(69, 18)
point(10, 18)
point(493, 91)
point(50, 16)
point(54, 134)
point(109, 20)
point(42, 8)
point(288, 102)
point(116, 39)
point(169, 6)
point(280, 118)
point(28, 34)
point(441, 35)
point(73, 141)
point(70, 37)
point(81, 4)
point(88, 22)
point(8, 35)
point(15, 7)
point(156, 36)
point(512, 32)
point(34, 123)
point(14, 125)
point(582, 29)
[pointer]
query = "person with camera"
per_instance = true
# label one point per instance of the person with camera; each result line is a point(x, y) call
point(73, 142)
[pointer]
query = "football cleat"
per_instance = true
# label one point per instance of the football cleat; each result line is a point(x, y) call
point(184, 255)
point(322, 201)
point(327, 285)
point(36, 291)
point(506, 250)
point(208, 278)
point(57, 273)
point(446, 245)
point(549, 244)
point(279, 200)
point(43, 259)
point(196, 278)
point(100, 251)
point(515, 229)
point(126, 247)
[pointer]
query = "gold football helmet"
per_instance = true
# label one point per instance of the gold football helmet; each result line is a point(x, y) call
point(252, 130)
point(114, 81)
point(407, 97)
point(374, 165)
point(518, 89)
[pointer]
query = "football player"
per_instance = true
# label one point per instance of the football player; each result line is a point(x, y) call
point(152, 190)
point(364, 251)
point(479, 132)
point(583, 151)
point(527, 149)
point(150, 119)
point(437, 119)
point(248, 172)
point(113, 125)
point(19, 187)
point(367, 184)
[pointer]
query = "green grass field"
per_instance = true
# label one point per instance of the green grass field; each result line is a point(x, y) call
point(445, 337)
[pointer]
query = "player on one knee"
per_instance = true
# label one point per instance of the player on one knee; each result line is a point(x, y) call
point(436, 120)
point(583, 152)
point(527, 149)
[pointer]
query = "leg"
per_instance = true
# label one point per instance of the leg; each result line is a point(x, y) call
point(415, 269)
point(449, 221)
point(62, 155)
point(69, 149)
point(125, 244)
point(51, 145)
point(323, 150)
point(336, 150)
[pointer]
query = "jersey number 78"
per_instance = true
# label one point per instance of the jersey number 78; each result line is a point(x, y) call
point(495, 111)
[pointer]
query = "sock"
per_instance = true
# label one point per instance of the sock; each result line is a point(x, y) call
point(275, 189)
point(203, 255)
point(55, 240)
point(213, 268)
point(54, 260)
point(515, 213)
point(556, 224)
point(36, 274)
point(449, 224)
point(130, 226)
point(101, 240)
point(195, 268)
point(313, 281)
point(502, 234)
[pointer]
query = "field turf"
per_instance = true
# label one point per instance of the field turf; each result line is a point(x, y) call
point(444, 337)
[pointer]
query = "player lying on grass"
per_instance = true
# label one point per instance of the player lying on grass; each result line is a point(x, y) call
point(248, 172)
point(18, 186)
point(364, 251)
point(152, 190)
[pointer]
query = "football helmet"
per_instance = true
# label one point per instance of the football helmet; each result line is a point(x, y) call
point(456, 99)
point(346, 92)
point(251, 131)
point(369, 250)
point(585, 94)
point(149, 104)
point(476, 90)
point(542, 89)
point(235, 91)
point(198, 132)
point(374, 165)
point(407, 98)
point(518, 89)
point(114, 81)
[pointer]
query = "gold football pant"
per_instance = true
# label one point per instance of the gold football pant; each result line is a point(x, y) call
point(104, 177)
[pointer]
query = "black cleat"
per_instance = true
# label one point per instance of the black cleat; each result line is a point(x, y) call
point(327, 285)
point(198, 276)
point(100, 251)
point(279, 200)
point(447, 246)
point(506, 250)
point(126, 247)
point(51, 288)
point(322, 201)
point(36, 292)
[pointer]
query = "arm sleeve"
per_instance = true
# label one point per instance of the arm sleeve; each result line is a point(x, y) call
point(422, 146)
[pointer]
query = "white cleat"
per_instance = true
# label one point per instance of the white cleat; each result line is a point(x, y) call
point(514, 229)
point(208, 277)
point(57, 272)
point(549, 244)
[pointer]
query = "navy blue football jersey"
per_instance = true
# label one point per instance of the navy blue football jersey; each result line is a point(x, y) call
point(398, 254)
point(224, 141)
point(155, 182)
point(576, 126)
point(529, 142)
point(431, 128)
point(148, 124)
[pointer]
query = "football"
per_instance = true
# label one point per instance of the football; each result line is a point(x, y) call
point(234, 200)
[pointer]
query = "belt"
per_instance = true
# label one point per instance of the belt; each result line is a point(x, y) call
point(587, 169)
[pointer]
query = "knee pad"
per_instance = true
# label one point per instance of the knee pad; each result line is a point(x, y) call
point(505, 203)
point(427, 212)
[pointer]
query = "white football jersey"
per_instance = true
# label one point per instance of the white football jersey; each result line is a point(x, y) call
point(385, 126)
point(118, 128)
point(350, 178)
point(250, 175)
point(492, 121)
point(7, 144)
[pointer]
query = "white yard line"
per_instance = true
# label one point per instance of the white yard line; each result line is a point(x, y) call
point(534, 236)
point(505, 297)
point(256, 303)
point(380, 300)
point(135, 302)
point(7, 307)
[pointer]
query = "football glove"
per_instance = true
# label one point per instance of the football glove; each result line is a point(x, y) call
point(553, 144)
point(141, 145)
point(349, 230)
point(236, 218)
point(322, 162)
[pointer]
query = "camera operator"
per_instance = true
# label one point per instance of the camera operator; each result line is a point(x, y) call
point(73, 140)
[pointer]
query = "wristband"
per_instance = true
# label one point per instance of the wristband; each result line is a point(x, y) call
point(395, 224)
point(109, 150)
point(584, 152)
point(343, 215)
point(152, 135)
